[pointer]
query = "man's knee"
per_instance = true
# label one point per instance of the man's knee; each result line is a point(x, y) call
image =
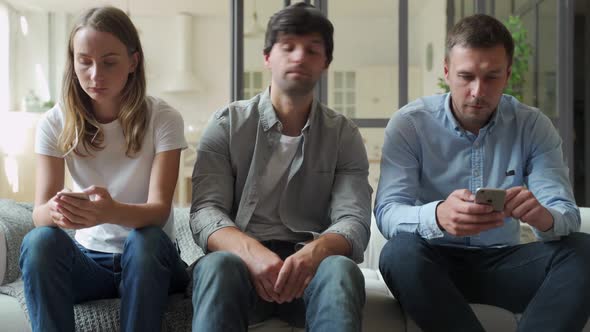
point(577, 249)
point(338, 279)
point(342, 268)
point(579, 241)
point(222, 269)
point(401, 252)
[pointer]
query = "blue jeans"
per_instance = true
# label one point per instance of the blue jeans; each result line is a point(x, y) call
point(58, 273)
point(548, 282)
point(224, 298)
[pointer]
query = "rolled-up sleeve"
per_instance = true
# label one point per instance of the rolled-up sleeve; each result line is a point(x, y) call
point(213, 181)
point(351, 194)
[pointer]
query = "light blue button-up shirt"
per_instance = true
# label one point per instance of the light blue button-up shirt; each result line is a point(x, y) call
point(427, 155)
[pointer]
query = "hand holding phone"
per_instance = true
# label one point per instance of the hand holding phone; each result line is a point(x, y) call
point(78, 195)
point(491, 196)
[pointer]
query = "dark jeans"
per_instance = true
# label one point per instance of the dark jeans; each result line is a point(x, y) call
point(224, 298)
point(548, 282)
point(59, 273)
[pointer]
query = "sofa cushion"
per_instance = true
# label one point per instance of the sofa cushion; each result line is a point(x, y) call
point(16, 222)
point(2, 256)
point(12, 318)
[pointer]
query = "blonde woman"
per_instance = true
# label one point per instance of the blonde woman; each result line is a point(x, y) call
point(122, 149)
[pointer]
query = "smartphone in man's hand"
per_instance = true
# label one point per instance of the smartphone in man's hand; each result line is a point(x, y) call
point(491, 196)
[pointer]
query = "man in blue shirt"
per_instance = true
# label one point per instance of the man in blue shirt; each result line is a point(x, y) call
point(444, 250)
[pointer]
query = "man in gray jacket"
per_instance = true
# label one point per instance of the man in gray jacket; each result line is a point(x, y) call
point(281, 200)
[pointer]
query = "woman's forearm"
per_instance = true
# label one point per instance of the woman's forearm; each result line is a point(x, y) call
point(139, 215)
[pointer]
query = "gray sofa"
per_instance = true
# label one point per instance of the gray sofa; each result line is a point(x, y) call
point(382, 312)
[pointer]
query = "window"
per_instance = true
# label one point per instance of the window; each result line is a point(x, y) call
point(4, 58)
point(344, 93)
point(252, 83)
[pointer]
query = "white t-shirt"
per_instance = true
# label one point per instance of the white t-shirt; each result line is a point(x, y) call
point(126, 179)
point(266, 221)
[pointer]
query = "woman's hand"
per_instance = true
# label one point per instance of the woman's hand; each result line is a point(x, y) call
point(81, 213)
point(57, 217)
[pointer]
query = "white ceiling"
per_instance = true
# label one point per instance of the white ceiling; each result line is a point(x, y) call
point(136, 7)
point(373, 8)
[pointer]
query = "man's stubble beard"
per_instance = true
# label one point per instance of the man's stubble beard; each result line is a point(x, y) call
point(298, 89)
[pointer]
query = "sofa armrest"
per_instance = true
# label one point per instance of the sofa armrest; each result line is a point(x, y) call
point(585, 216)
point(15, 222)
point(373, 251)
point(2, 256)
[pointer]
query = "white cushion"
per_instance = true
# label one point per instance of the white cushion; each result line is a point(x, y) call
point(381, 312)
point(12, 317)
point(373, 250)
point(585, 214)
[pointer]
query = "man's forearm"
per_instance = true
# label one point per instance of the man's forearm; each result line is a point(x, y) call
point(330, 244)
point(233, 240)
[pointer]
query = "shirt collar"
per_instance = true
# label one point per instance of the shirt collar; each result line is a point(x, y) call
point(449, 115)
point(269, 117)
point(496, 116)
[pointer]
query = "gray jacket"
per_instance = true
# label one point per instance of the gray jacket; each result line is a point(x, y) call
point(327, 189)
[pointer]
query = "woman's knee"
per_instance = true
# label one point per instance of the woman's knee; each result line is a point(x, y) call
point(42, 244)
point(147, 242)
point(146, 237)
point(45, 240)
point(148, 248)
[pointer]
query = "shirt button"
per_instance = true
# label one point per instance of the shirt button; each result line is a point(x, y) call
point(476, 173)
point(476, 144)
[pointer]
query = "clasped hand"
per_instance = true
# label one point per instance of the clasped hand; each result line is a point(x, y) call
point(278, 281)
point(74, 213)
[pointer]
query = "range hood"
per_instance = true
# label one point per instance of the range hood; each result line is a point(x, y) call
point(183, 77)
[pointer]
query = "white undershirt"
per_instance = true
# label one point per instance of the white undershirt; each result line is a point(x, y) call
point(266, 223)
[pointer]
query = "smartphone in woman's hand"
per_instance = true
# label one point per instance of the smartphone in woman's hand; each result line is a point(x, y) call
point(78, 195)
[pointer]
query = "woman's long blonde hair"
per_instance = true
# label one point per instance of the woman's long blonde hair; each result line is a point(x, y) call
point(80, 124)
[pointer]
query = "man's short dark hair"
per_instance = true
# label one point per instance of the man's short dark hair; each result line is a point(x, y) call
point(300, 19)
point(480, 31)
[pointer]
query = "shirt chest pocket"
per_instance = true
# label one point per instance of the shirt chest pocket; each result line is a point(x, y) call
point(512, 177)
